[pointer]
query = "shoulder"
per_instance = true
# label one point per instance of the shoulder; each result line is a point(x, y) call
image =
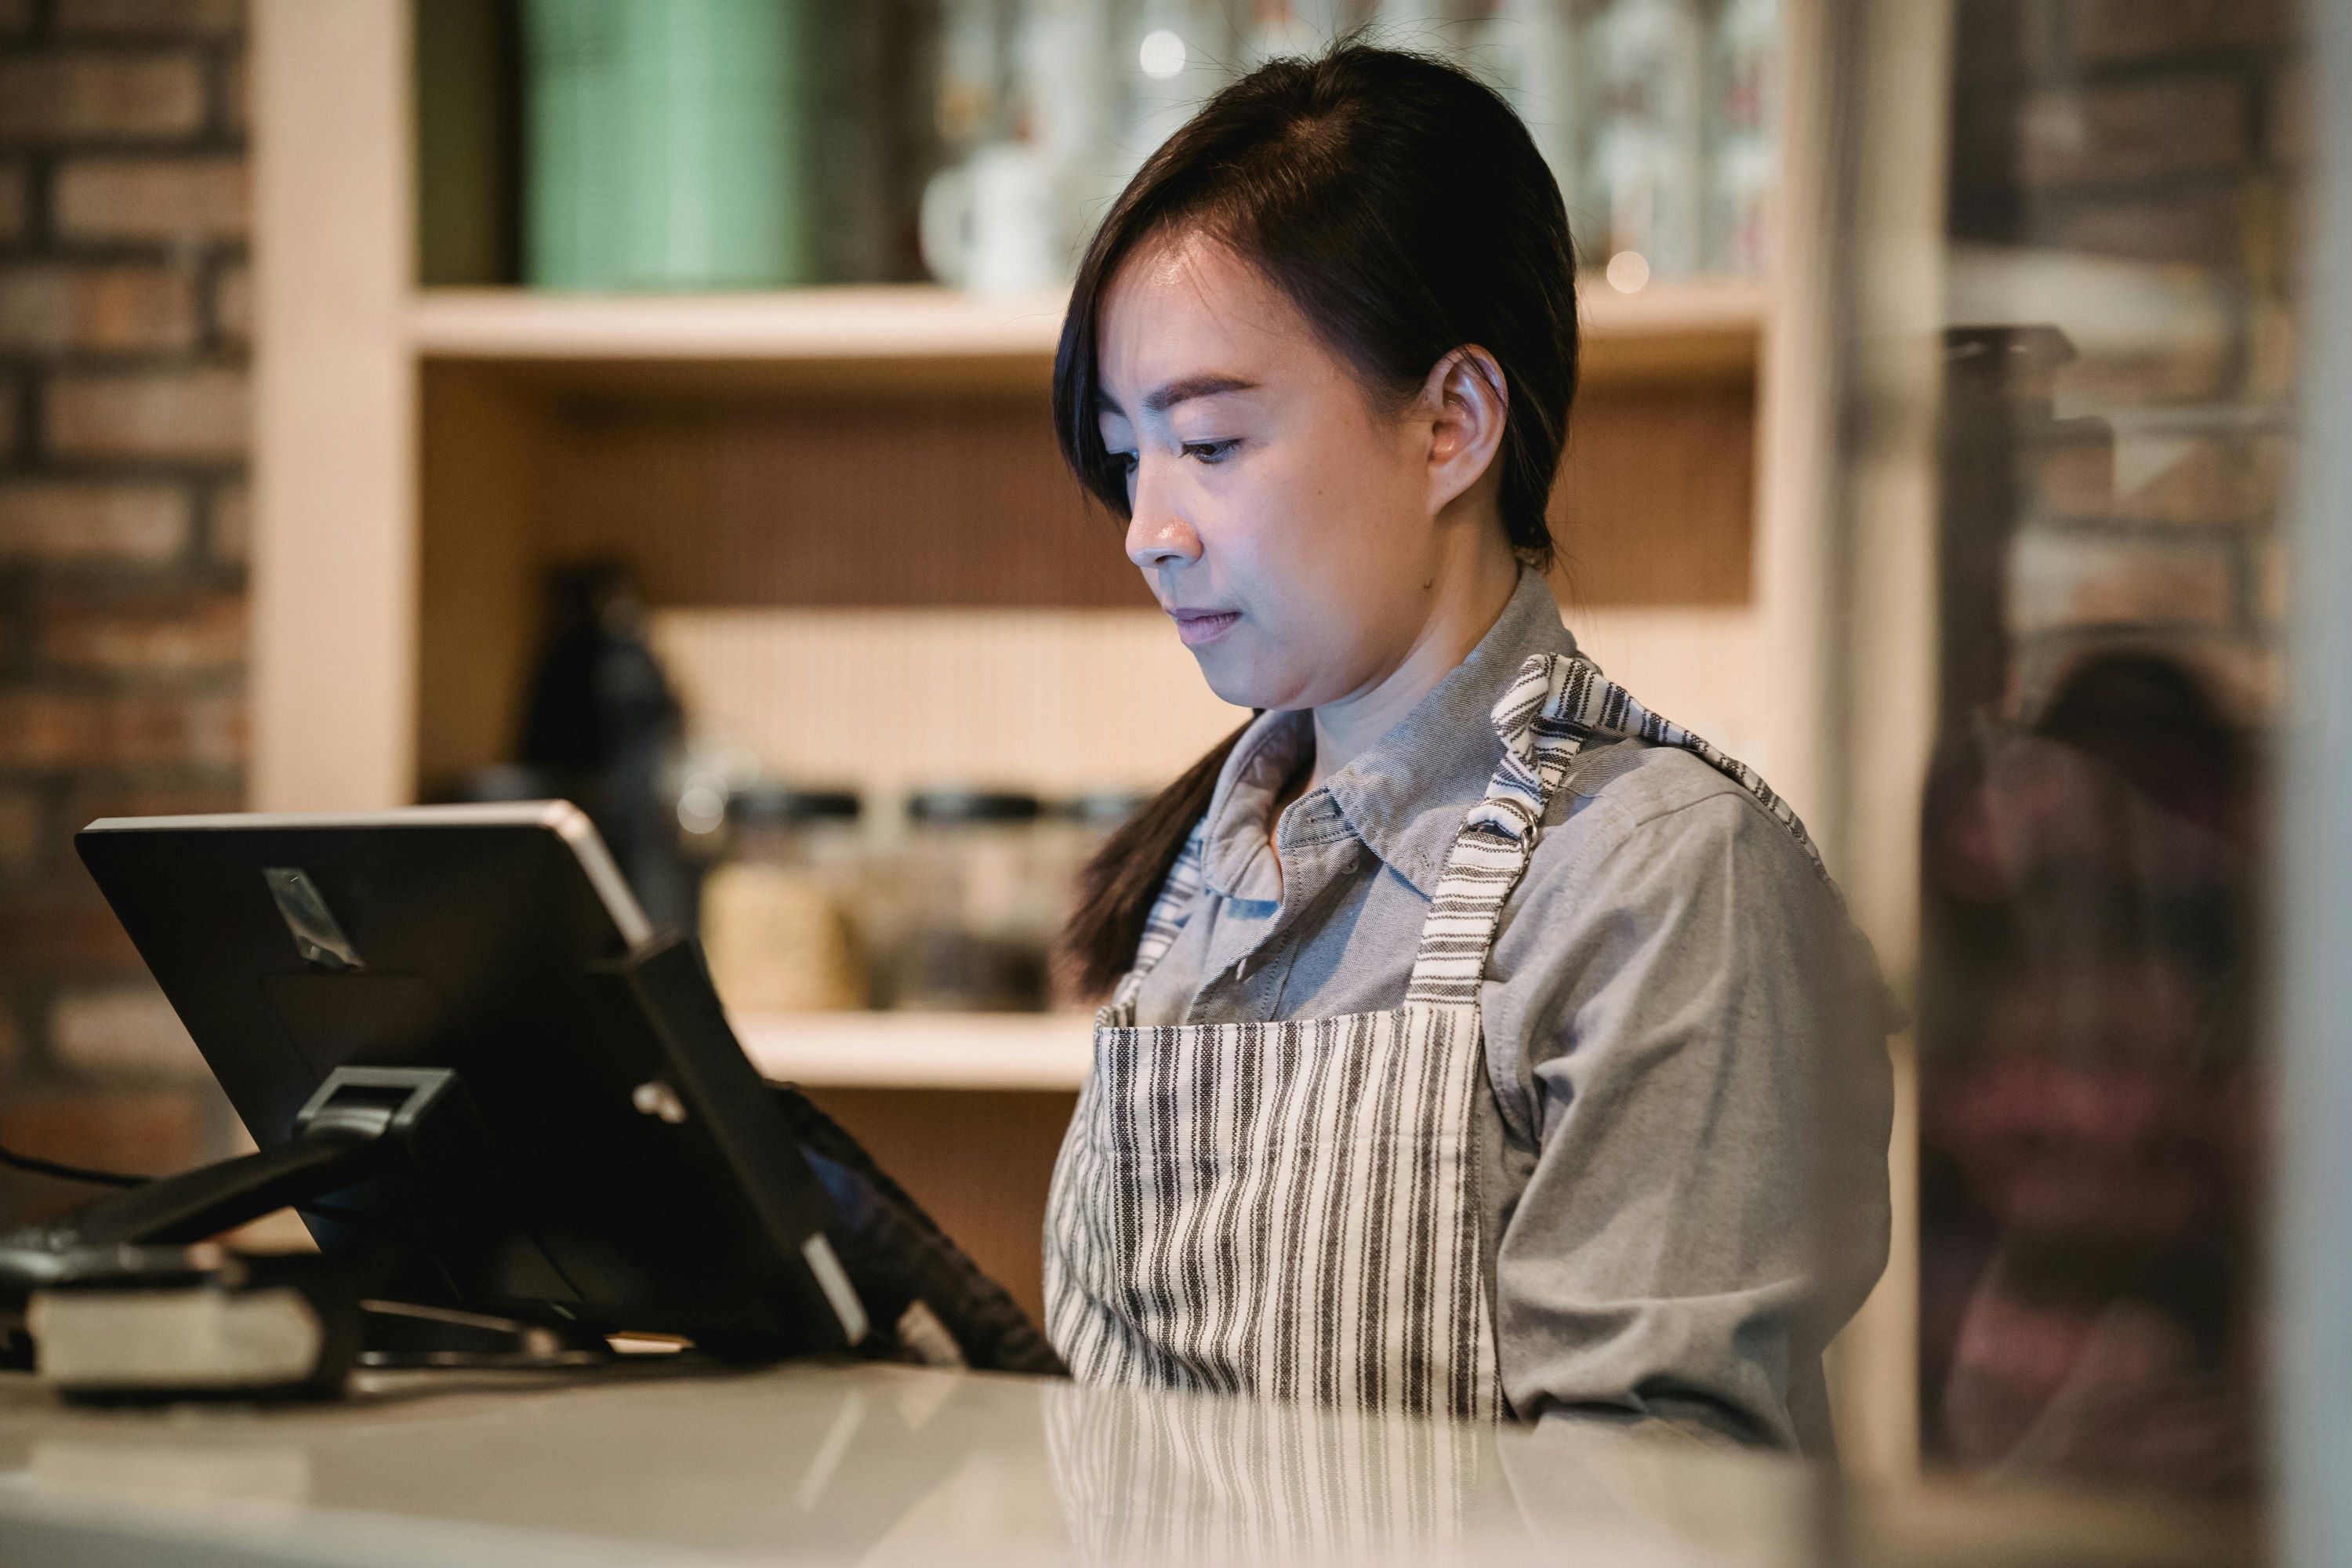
point(1668, 910)
point(1633, 809)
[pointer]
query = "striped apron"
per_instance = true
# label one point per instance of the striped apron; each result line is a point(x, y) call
point(1292, 1210)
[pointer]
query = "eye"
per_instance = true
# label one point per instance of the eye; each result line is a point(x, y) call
point(1212, 451)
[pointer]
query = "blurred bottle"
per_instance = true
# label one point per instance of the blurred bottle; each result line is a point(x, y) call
point(668, 143)
point(602, 726)
point(1073, 832)
point(973, 100)
point(1649, 64)
point(1743, 104)
point(1067, 87)
point(1525, 51)
point(876, 137)
point(1023, 118)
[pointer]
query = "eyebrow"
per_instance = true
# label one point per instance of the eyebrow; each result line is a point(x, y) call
point(1183, 390)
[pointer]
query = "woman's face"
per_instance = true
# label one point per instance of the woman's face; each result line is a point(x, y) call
point(1286, 519)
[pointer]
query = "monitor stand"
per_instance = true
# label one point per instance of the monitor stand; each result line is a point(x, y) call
point(362, 1121)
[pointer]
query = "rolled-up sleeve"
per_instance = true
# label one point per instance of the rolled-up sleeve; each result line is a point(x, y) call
point(1690, 1040)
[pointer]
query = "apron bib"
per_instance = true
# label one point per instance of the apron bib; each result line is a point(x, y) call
point(1292, 1211)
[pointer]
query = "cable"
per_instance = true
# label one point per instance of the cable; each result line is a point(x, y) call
point(40, 1167)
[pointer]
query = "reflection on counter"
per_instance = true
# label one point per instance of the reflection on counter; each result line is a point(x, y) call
point(889, 1466)
point(2089, 1004)
point(2090, 1141)
point(884, 1465)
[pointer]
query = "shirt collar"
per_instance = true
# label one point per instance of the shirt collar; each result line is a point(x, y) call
point(1405, 794)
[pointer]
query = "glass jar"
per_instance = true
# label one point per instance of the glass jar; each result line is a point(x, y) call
point(978, 911)
point(1073, 833)
point(1074, 830)
point(778, 913)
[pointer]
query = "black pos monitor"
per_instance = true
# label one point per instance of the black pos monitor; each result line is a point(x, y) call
point(456, 1024)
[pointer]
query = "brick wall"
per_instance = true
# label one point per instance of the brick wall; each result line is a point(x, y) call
point(124, 433)
point(2127, 171)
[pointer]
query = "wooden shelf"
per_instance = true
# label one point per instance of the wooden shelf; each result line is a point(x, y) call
point(1667, 331)
point(905, 338)
point(900, 322)
point(1708, 331)
point(920, 1050)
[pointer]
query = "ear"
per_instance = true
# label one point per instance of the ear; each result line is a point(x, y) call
point(1465, 401)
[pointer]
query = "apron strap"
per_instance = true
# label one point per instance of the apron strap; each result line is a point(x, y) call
point(1556, 705)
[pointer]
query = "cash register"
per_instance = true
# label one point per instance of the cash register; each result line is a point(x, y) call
point(492, 1091)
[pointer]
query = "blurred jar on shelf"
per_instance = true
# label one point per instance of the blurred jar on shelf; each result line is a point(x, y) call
point(1648, 59)
point(1527, 50)
point(1028, 119)
point(1073, 833)
point(668, 143)
point(1743, 119)
point(973, 912)
point(711, 768)
point(876, 136)
point(973, 100)
point(779, 924)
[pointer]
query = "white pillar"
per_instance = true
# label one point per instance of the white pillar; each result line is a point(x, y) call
point(334, 670)
point(2311, 1377)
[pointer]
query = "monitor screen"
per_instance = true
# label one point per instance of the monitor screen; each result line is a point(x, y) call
point(611, 1159)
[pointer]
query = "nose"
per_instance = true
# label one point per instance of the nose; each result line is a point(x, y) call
point(1157, 533)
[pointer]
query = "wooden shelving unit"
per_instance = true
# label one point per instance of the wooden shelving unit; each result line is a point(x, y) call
point(907, 322)
point(750, 454)
point(421, 455)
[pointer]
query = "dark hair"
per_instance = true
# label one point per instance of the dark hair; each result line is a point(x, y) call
point(1402, 208)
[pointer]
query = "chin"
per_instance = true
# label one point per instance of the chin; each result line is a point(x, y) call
point(1240, 693)
point(1243, 680)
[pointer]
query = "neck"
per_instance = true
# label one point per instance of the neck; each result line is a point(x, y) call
point(1467, 602)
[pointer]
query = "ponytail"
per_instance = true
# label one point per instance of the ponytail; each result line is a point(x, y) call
point(1118, 885)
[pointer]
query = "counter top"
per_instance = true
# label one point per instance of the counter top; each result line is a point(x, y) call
point(824, 1464)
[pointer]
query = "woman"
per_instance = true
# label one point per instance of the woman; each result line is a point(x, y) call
point(1469, 1025)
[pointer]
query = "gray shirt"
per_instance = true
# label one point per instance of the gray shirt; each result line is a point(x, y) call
point(1684, 1152)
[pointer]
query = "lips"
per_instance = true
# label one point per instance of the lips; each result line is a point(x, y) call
point(1198, 627)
